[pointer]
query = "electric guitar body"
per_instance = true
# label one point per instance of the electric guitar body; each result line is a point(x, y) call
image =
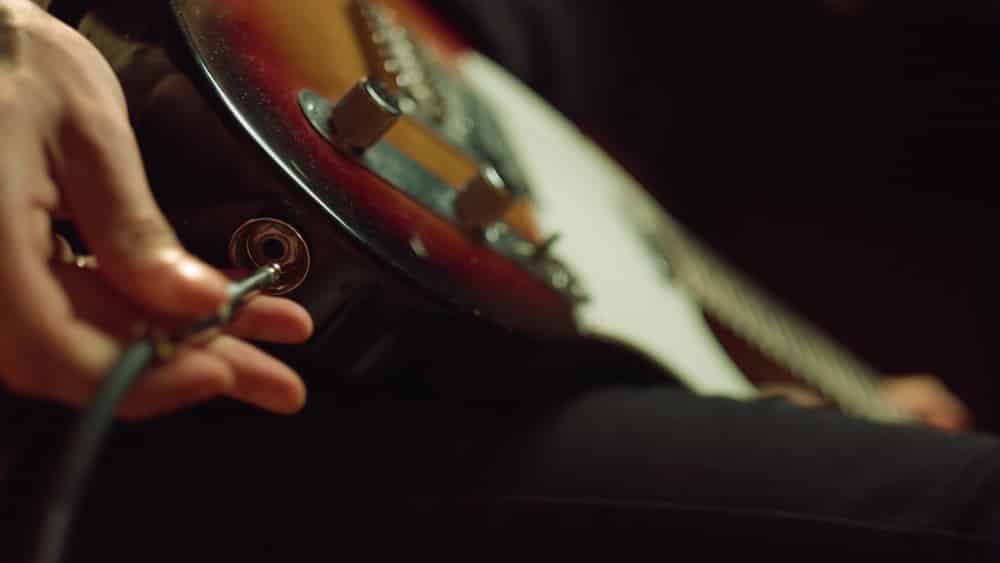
point(397, 169)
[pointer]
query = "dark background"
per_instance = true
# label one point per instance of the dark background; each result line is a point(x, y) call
point(840, 152)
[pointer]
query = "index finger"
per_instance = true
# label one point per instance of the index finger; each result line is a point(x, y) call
point(102, 178)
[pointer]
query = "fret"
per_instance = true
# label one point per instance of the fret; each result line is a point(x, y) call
point(765, 323)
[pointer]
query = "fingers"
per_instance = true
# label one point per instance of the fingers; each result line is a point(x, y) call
point(928, 399)
point(262, 318)
point(65, 357)
point(62, 352)
point(102, 178)
point(260, 379)
point(46, 352)
point(96, 303)
point(191, 377)
point(223, 366)
point(272, 319)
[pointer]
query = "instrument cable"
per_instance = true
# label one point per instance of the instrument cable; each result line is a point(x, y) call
point(86, 442)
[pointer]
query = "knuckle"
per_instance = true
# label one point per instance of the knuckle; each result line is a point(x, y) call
point(142, 233)
point(145, 228)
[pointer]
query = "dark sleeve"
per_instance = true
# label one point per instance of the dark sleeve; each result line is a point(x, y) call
point(566, 50)
point(69, 11)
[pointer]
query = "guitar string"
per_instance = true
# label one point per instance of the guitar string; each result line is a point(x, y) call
point(771, 328)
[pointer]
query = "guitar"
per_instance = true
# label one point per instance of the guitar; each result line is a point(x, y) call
point(403, 159)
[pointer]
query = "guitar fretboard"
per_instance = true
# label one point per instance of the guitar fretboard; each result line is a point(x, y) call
point(762, 321)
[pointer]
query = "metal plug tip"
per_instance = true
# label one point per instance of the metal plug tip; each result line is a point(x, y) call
point(263, 278)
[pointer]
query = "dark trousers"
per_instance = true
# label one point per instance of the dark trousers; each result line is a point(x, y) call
point(415, 466)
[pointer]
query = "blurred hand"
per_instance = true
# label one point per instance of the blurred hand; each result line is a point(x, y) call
point(927, 399)
point(67, 151)
point(923, 397)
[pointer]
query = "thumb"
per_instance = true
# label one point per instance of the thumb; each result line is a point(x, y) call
point(102, 177)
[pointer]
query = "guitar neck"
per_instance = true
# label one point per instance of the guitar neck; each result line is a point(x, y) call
point(652, 282)
point(762, 321)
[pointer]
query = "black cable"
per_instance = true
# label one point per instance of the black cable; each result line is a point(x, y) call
point(86, 443)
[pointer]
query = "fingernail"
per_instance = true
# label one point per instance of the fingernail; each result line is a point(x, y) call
point(299, 400)
point(287, 401)
point(281, 397)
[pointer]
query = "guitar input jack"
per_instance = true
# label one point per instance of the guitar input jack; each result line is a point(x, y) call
point(265, 240)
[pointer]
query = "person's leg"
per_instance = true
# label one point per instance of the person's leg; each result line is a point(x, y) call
point(645, 465)
point(560, 447)
point(638, 466)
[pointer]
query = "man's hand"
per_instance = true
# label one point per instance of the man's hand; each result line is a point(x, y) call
point(927, 399)
point(67, 151)
point(923, 397)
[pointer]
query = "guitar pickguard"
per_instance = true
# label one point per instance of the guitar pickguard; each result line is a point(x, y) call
point(580, 193)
